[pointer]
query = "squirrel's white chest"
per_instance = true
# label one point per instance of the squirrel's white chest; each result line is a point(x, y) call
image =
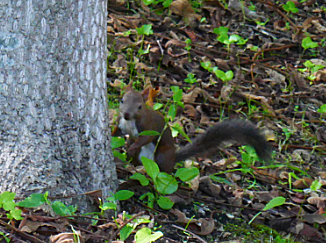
point(129, 127)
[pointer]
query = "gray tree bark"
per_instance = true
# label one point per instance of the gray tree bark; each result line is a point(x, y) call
point(54, 125)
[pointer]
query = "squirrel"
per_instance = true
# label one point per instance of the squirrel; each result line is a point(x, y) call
point(136, 117)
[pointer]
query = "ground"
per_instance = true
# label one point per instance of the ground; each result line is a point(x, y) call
point(263, 61)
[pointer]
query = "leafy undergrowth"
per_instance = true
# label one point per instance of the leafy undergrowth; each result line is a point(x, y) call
point(263, 61)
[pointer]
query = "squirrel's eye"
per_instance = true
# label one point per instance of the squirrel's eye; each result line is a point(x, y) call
point(121, 101)
point(139, 107)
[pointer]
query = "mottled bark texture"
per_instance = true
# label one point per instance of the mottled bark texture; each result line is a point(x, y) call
point(54, 126)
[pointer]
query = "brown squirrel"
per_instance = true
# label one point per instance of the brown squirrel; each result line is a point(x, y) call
point(136, 117)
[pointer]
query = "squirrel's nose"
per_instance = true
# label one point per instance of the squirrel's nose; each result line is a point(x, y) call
point(126, 116)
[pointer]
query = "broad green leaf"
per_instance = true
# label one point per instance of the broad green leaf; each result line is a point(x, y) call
point(60, 208)
point(315, 185)
point(126, 231)
point(234, 38)
point(165, 203)
point(206, 65)
point(119, 155)
point(220, 74)
point(276, 201)
point(229, 75)
point(224, 39)
point(151, 167)
point(221, 30)
point(308, 43)
point(7, 200)
point(146, 29)
point(144, 235)
point(149, 133)
point(33, 201)
point(117, 142)
point(322, 109)
point(187, 174)
point(308, 64)
point(16, 214)
point(167, 3)
point(148, 2)
point(177, 94)
point(157, 106)
point(165, 183)
point(172, 112)
point(141, 178)
point(109, 205)
point(123, 195)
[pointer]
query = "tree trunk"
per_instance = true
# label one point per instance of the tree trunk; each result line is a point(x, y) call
point(54, 124)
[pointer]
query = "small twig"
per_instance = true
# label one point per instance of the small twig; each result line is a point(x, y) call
point(191, 233)
point(27, 236)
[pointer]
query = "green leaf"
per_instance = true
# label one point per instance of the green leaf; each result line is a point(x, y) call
point(179, 129)
point(108, 205)
point(60, 208)
point(127, 33)
point(316, 68)
point(117, 142)
point(149, 133)
point(308, 64)
point(7, 200)
point(172, 112)
point(126, 231)
point(308, 43)
point(224, 39)
point(123, 195)
point(148, 2)
point(33, 201)
point(315, 185)
point(146, 29)
point(234, 38)
point(141, 178)
point(144, 235)
point(221, 30)
point(119, 155)
point(165, 203)
point(220, 179)
point(150, 199)
point(165, 183)
point(4, 236)
point(229, 75)
point(290, 7)
point(187, 174)
point(167, 3)
point(157, 106)
point(151, 167)
point(190, 78)
point(322, 109)
point(206, 65)
point(220, 74)
point(276, 201)
point(16, 214)
point(177, 94)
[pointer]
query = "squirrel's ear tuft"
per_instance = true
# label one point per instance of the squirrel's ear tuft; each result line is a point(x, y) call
point(129, 87)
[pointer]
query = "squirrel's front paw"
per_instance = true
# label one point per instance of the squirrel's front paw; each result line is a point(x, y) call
point(132, 151)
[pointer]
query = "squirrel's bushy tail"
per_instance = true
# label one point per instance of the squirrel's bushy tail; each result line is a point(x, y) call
point(240, 131)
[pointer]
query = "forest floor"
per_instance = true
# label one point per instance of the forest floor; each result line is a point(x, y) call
point(276, 53)
point(263, 61)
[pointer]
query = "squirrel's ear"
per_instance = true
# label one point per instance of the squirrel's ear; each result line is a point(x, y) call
point(129, 87)
point(146, 93)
